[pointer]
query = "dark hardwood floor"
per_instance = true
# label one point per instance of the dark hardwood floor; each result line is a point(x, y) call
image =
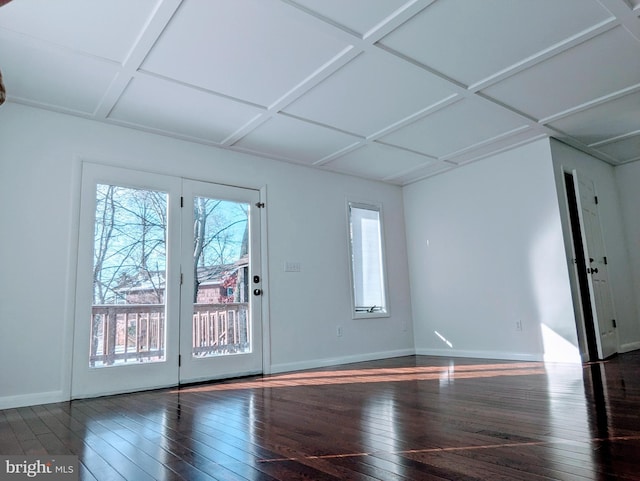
point(411, 418)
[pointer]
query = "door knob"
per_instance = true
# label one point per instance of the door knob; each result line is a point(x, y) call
point(257, 292)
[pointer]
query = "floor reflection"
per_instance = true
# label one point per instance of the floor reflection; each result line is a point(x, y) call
point(408, 418)
point(596, 392)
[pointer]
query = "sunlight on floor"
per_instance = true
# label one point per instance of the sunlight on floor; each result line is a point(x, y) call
point(430, 373)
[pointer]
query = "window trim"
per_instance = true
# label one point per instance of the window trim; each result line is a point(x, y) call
point(374, 206)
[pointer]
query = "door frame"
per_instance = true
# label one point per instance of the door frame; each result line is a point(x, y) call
point(76, 201)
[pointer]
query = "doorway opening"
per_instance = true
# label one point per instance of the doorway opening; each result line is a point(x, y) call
point(580, 265)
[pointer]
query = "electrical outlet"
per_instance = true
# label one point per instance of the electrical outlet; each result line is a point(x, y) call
point(518, 325)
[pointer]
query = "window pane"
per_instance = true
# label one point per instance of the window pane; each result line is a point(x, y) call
point(129, 272)
point(221, 278)
point(367, 260)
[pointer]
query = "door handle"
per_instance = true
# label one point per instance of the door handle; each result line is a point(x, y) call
point(257, 292)
point(592, 271)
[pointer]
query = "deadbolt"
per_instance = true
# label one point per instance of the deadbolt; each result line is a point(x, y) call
point(256, 279)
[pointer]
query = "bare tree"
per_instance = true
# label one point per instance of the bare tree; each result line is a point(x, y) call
point(131, 237)
point(130, 251)
point(130, 242)
point(214, 239)
point(105, 219)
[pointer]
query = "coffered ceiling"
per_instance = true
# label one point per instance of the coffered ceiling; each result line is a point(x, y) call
point(392, 90)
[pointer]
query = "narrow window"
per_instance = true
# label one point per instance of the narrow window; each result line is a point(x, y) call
point(367, 261)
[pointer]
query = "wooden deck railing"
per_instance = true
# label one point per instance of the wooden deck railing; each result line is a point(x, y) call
point(220, 329)
point(123, 333)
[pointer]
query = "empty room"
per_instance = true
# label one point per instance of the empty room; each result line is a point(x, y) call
point(320, 239)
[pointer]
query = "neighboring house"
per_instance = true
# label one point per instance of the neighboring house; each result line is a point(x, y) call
point(219, 284)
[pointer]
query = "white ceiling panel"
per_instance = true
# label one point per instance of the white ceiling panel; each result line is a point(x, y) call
point(257, 50)
point(378, 161)
point(456, 127)
point(626, 150)
point(369, 87)
point(372, 92)
point(598, 67)
point(603, 122)
point(428, 170)
point(295, 140)
point(359, 16)
point(52, 76)
point(106, 29)
point(182, 110)
point(472, 40)
point(635, 4)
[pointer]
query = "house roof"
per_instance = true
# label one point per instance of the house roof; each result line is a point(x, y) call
point(209, 275)
point(393, 90)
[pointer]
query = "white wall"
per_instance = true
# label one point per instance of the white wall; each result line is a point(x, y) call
point(607, 185)
point(485, 251)
point(40, 154)
point(628, 179)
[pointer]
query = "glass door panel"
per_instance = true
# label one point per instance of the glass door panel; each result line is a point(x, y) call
point(128, 289)
point(220, 274)
point(220, 251)
point(129, 276)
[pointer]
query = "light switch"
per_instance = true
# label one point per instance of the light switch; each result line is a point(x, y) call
point(290, 266)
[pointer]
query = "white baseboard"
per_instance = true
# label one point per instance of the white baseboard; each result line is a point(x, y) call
point(7, 402)
point(315, 363)
point(629, 346)
point(502, 355)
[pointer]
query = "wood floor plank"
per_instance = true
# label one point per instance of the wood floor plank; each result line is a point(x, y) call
point(9, 442)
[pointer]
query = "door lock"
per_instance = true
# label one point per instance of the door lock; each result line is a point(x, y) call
point(256, 279)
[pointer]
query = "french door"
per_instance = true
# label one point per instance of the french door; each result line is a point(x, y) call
point(168, 288)
point(221, 331)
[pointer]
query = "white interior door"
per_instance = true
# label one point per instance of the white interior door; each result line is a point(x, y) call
point(128, 282)
point(168, 287)
point(221, 327)
point(596, 265)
